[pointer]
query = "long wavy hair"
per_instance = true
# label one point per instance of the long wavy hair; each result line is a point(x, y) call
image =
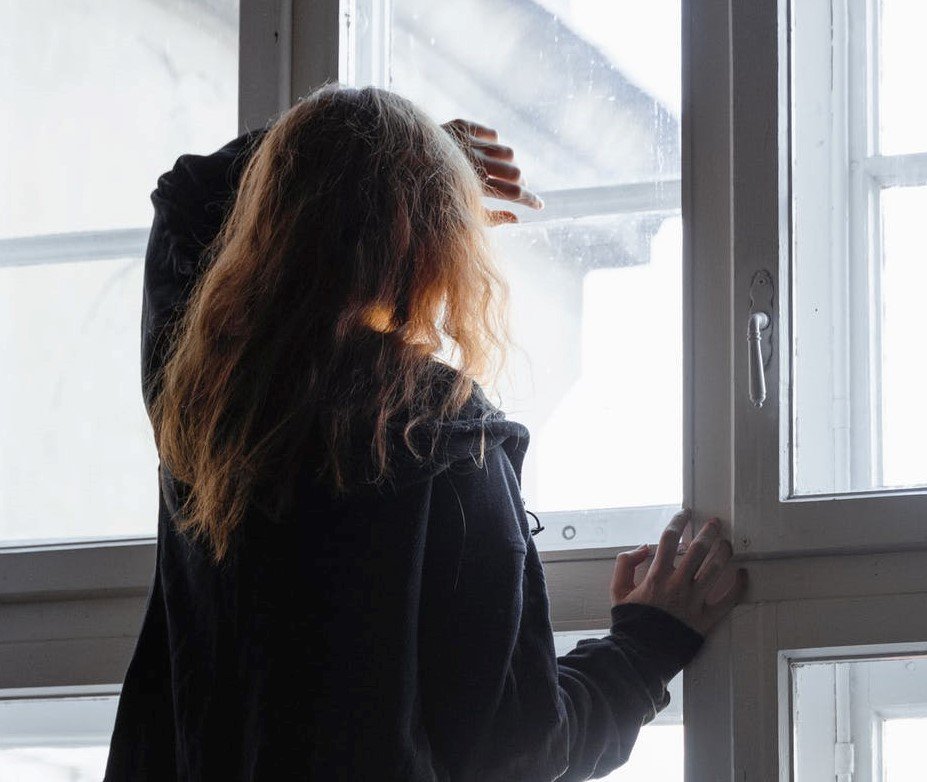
point(355, 252)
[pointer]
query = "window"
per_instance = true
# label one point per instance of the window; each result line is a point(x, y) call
point(588, 93)
point(829, 214)
point(632, 295)
point(102, 99)
point(89, 129)
point(859, 715)
point(58, 734)
point(792, 182)
point(859, 178)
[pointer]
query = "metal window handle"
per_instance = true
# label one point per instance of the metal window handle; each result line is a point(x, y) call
point(758, 322)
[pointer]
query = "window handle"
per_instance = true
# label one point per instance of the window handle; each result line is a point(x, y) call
point(761, 305)
point(758, 322)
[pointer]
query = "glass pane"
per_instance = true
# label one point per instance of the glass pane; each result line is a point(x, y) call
point(904, 279)
point(54, 764)
point(875, 709)
point(902, 63)
point(100, 98)
point(595, 372)
point(54, 739)
point(588, 93)
point(903, 749)
point(857, 419)
point(78, 457)
point(658, 753)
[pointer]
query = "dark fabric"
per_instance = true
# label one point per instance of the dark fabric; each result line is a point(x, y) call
point(400, 634)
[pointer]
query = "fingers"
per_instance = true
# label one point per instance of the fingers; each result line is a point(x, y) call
point(509, 191)
point(715, 612)
point(500, 216)
point(698, 550)
point(669, 543)
point(500, 169)
point(714, 564)
point(475, 129)
point(493, 150)
point(625, 565)
point(493, 163)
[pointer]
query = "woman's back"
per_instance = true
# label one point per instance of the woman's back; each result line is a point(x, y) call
point(399, 630)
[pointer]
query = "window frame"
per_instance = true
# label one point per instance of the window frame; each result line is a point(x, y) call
point(822, 582)
point(767, 521)
point(824, 579)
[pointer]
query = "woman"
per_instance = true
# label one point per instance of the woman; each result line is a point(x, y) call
point(346, 586)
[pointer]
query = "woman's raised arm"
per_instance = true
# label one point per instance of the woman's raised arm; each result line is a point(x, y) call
point(190, 202)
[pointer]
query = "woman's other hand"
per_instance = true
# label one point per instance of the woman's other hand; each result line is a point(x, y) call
point(700, 590)
point(495, 165)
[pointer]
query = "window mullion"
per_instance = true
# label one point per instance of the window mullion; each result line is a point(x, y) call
point(628, 198)
point(897, 170)
point(73, 247)
point(861, 326)
point(264, 60)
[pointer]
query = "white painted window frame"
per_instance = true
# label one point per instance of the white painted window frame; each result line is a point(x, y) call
point(826, 582)
point(830, 578)
point(769, 519)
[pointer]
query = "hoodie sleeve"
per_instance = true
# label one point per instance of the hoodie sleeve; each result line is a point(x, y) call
point(501, 705)
point(190, 202)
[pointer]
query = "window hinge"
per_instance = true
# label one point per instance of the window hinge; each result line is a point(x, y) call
point(844, 760)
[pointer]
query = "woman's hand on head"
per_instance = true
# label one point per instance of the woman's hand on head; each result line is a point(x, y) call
point(700, 590)
point(495, 165)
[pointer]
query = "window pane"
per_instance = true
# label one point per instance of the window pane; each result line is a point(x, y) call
point(658, 751)
point(55, 739)
point(867, 713)
point(100, 98)
point(903, 61)
point(903, 750)
point(904, 279)
point(588, 93)
point(78, 457)
point(857, 421)
point(595, 371)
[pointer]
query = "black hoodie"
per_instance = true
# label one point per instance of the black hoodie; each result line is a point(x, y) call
point(399, 634)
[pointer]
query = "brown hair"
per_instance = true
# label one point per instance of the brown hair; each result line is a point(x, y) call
point(355, 249)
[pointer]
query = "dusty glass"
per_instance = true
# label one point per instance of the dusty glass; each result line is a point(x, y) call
point(100, 99)
point(588, 94)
